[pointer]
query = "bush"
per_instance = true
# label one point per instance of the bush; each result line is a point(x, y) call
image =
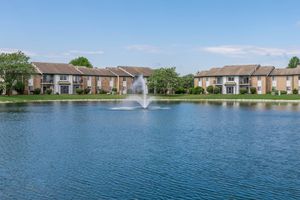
point(49, 91)
point(243, 91)
point(217, 90)
point(253, 90)
point(114, 90)
point(37, 91)
point(101, 91)
point(19, 87)
point(86, 90)
point(197, 90)
point(283, 92)
point(210, 89)
point(180, 91)
point(79, 91)
point(295, 91)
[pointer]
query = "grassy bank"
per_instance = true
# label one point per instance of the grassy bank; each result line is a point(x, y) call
point(33, 98)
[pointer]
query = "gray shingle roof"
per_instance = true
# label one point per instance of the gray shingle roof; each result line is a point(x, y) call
point(230, 70)
point(94, 71)
point(56, 68)
point(145, 71)
point(263, 71)
point(286, 71)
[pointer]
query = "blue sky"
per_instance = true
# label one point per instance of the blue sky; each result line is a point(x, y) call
point(190, 35)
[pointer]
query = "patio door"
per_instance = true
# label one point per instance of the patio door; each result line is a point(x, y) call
point(64, 89)
point(229, 90)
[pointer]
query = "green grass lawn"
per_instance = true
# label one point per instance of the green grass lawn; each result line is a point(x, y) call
point(28, 98)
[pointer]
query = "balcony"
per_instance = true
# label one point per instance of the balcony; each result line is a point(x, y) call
point(47, 81)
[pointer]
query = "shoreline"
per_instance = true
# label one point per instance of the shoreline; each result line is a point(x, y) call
point(157, 100)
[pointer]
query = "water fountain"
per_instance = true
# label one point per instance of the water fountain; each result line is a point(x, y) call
point(140, 92)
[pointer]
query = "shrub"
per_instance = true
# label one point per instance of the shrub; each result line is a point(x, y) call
point(295, 91)
point(210, 89)
point(101, 91)
point(49, 91)
point(114, 90)
point(180, 91)
point(37, 91)
point(283, 92)
point(19, 87)
point(197, 90)
point(79, 91)
point(253, 90)
point(243, 91)
point(217, 90)
point(86, 90)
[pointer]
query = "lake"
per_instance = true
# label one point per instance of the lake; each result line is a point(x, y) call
point(94, 150)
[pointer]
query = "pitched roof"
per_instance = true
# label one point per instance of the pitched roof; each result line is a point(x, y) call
point(56, 68)
point(211, 72)
point(94, 71)
point(263, 71)
point(145, 71)
point(230, 70)
point(237, 70)
point(286, 71)
point(118, 72)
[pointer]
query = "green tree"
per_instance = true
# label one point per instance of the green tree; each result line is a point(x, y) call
point(14, 67)
point(187, 81)
point(294, 62)
point(164, 80)
point(81, 61)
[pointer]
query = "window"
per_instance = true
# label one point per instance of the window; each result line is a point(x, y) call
point(63, 77)
point(288, 88)
point(89, 78)
point(230, 78)
point(64, 89)
point(259, 89)
point(219, 80)
point(259, 78)
point(273, 78)
point(76, 79)
point(288, 78)
point(206, 79)
point(124, 78)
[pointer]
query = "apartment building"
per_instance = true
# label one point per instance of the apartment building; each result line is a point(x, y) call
point(126, 76)
point(285, 79)
point(261, 79)
point(230, 79)
point(64, 78)
point(96, 79)
point(59, 77)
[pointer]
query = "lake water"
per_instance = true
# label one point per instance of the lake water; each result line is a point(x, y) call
point(173, 151)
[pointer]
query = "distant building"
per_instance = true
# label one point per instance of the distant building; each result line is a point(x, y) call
point(230, 79)
point(64, 78)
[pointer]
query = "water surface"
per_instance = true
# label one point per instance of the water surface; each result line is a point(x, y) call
point(88, 150)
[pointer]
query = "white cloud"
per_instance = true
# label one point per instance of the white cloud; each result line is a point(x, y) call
point(8, 50)
point(144, 48)
point(246, 50)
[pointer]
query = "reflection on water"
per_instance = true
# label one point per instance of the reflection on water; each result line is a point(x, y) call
point(284, 106)
point(93, 150)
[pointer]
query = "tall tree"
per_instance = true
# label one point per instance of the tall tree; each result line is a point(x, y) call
point(164, 80)
point(187, 81)
point(81, 61)
point(14, 67)
point(294, 62)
